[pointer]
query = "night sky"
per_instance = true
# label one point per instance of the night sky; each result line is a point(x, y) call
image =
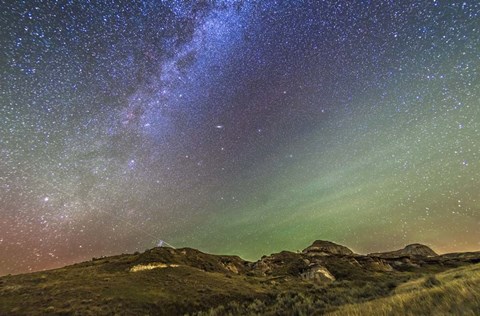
point(236, 127)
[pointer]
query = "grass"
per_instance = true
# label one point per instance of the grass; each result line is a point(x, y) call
point(454, 292)
point(186, 281)
point(107, 286)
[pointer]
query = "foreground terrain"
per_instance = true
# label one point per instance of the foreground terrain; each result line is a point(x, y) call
point(324, 278)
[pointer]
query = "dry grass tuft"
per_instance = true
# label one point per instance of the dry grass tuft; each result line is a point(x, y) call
point(454, 292)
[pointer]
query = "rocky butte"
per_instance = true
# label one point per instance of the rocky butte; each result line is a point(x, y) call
point(324, 278)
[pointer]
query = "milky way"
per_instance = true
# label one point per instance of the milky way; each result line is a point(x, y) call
point(236, 127)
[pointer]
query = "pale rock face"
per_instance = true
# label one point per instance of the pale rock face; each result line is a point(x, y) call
point(262, 267)
point(319, 274)
point(380, 265)
point(151, 266)
point(232, 268)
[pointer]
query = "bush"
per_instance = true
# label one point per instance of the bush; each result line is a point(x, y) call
point(432, 281)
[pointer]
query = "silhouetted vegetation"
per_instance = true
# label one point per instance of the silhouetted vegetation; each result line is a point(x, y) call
point(370, 298)
point(166, 281)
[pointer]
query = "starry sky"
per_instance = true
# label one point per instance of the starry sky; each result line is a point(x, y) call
point(236, 127)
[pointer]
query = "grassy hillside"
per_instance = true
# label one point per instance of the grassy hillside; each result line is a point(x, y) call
point(166, 281)
point(455, 292)
point(110, 285)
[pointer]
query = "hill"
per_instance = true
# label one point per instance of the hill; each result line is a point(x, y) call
point(324, 278)
point(409, 250)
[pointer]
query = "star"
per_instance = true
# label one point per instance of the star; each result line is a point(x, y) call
point(332, 121)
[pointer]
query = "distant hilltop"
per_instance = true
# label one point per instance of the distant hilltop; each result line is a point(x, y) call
point(324, 277)
point(328, 247)
point(323, 247)
point(409, 250)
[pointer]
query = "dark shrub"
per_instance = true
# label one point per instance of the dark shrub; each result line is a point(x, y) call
point(432, 281)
